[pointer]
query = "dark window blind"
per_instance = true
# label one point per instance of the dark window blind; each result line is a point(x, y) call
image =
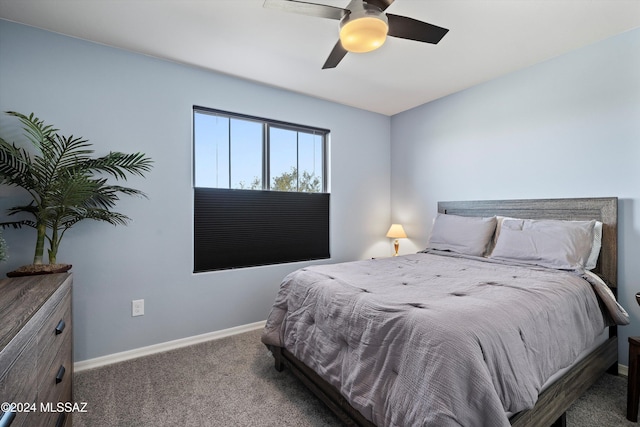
point(243, 228)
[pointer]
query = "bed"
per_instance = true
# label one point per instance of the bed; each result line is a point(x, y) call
point(359, 393)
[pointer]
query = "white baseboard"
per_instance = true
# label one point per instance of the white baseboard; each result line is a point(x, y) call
point(623, 370)
point(109, 359)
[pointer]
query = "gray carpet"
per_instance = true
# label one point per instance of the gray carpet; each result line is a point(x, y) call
point(232, 382)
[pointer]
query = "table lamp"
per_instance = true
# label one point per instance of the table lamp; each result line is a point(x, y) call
point(396, 232)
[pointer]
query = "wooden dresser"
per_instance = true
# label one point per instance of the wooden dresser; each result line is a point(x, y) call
point(36, 362)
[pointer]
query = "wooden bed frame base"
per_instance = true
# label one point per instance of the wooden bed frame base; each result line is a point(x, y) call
point(548, 411)
point(554, 401)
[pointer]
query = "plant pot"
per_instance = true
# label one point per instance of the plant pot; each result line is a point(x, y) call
point(37, 269)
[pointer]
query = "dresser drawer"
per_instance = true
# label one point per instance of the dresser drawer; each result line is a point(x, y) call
point(50, 391)
point(55, 378)
point(55, 331)
point(53, 417)
point(19, 383)
point(57, 309)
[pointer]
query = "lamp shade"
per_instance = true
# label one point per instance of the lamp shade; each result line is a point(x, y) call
point(396, 232)
point(363, 34)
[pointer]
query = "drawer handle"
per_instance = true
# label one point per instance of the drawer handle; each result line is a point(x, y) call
point(7, 418)
point(60, 374)
point(60, 327)
point(61, 418)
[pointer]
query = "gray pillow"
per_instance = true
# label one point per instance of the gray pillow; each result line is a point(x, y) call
point(462, 234)
point(564, 245)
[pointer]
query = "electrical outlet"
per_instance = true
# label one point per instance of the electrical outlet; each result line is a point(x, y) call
point(137, 307)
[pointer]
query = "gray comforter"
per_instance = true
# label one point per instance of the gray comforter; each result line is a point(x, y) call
point(430, 340)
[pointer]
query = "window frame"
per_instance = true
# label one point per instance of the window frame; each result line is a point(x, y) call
point(266, 145)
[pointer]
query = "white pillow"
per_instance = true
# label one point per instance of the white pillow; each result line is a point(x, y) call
point(596, 244)
point(462, 234)
point(556, 244)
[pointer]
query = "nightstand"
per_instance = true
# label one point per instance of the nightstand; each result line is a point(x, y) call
point(633, 387)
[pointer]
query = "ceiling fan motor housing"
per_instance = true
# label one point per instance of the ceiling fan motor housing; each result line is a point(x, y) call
point(363, 29)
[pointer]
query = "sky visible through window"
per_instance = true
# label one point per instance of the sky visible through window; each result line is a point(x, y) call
point(228, 152)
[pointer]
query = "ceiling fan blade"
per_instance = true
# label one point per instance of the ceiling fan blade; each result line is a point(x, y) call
point(335, 56)
point(382, 4)
point(304, 8)
point(412, 29)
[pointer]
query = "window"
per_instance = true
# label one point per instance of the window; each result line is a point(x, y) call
point(260, 192)
point(240, 152)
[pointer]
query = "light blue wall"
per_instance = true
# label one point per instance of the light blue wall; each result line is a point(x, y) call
point(128, 102)
point(569, 127)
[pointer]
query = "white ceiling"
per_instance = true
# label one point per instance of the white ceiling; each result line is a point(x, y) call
point(487, 38)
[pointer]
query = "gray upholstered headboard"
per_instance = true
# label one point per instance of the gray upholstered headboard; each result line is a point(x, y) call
point(604, 209)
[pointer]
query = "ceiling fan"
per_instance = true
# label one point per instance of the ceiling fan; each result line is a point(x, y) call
point(363, 25)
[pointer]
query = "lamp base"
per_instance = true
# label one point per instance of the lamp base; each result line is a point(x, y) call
point(396, 246)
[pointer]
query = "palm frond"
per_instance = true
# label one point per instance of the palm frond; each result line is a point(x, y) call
point(113, 218)
point(87, 198)
point(36, 130)
point(115, 189)
point(15, 166)
point(18, 224)
point(118, 164)
point(63, 154)
point(31, 208)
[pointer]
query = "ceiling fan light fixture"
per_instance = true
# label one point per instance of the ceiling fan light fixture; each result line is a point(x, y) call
point(364, 30)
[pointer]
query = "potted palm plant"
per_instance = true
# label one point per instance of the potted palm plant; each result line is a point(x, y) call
point(66, 185)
